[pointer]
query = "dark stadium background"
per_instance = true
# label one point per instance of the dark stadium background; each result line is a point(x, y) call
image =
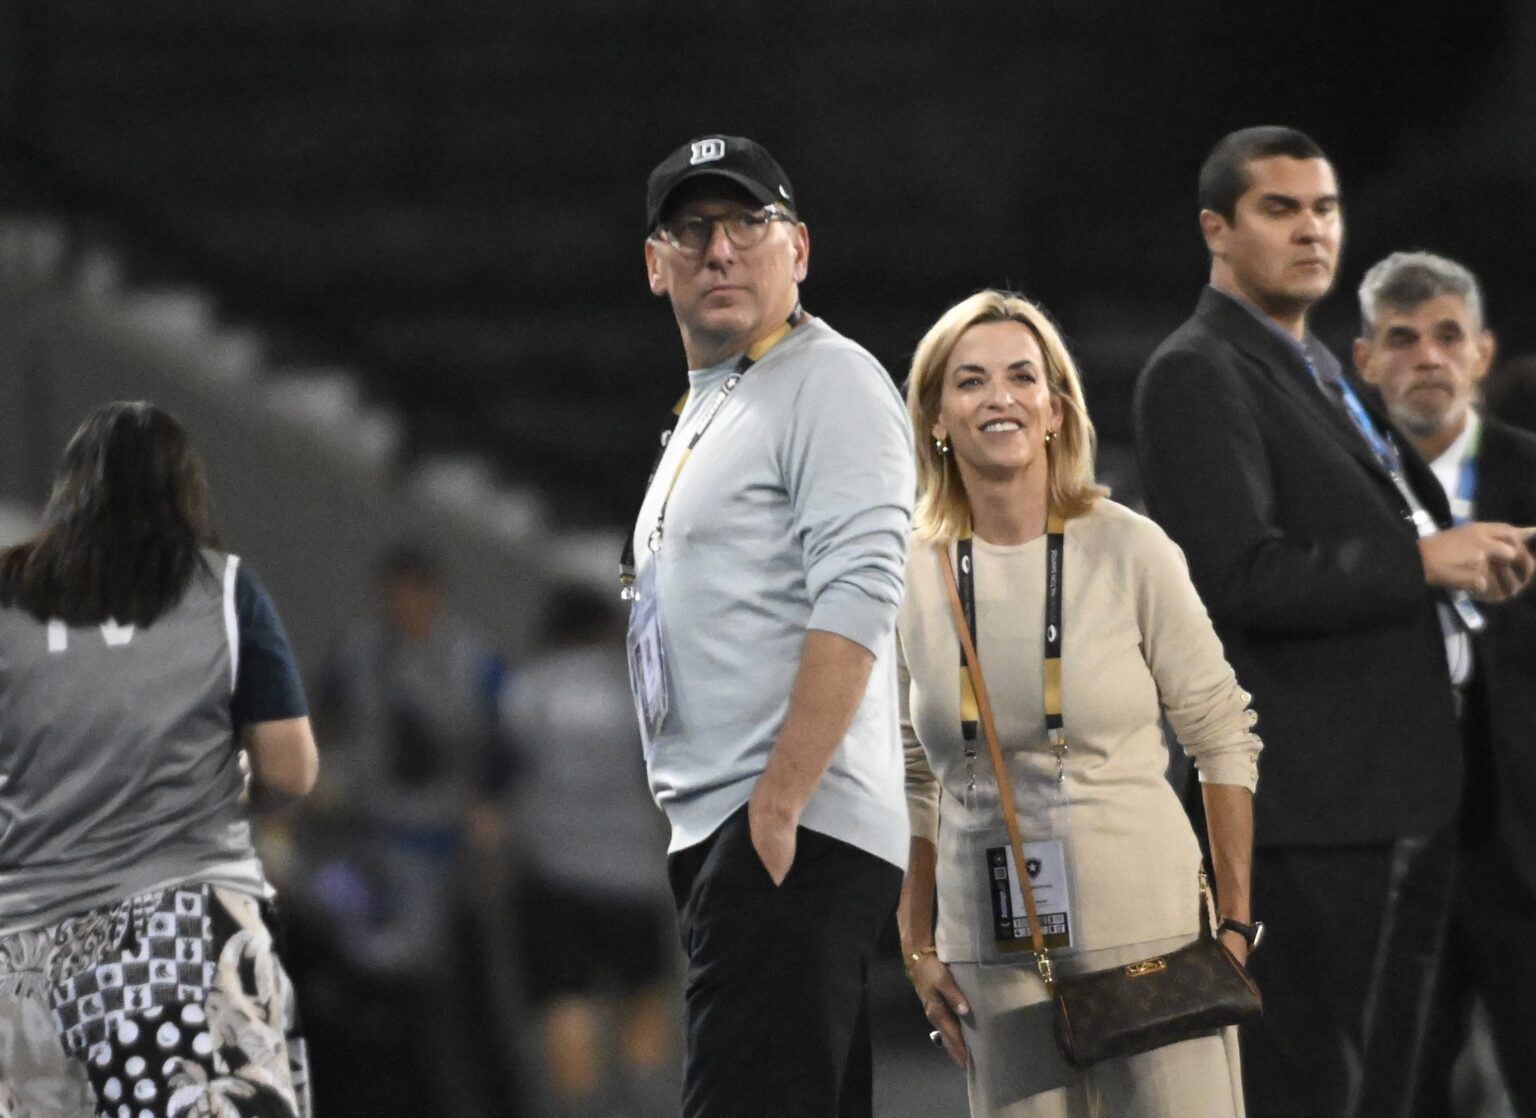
point(444, 199)
point(447, 194)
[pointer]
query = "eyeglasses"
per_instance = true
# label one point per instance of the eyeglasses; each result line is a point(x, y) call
point(743, 228)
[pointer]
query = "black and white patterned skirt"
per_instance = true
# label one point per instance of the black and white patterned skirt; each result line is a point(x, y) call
point(171, 1004)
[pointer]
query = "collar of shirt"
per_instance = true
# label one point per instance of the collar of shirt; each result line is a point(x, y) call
point(1449, 463)
point(1320, 361)
point(1452, 466)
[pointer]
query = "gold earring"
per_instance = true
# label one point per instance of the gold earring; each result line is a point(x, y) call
point(1049, 435)
point(941, 445)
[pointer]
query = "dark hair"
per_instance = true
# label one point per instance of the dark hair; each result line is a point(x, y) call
point(124, 529)
point(1224, 174)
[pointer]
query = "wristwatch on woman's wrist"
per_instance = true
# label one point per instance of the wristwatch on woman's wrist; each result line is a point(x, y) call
point(1253, 933)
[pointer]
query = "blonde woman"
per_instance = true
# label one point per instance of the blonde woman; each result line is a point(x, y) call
point(1003, 439)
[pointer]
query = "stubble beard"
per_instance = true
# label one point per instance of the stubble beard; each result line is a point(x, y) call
point(1420, 425)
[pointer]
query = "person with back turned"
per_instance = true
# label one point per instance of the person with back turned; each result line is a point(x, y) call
point(771, 546)
point(138, 659)
point(1424, 345)
point(1343, 594)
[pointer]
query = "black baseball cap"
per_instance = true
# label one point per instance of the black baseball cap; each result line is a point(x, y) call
point(743, 161)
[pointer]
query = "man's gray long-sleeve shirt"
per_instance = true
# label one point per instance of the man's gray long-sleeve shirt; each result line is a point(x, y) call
point(791, 514)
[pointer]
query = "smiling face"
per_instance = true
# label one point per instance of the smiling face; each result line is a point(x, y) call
point(1427, 362)
point(996, 404)
point(1281, 248)
point(725, 298)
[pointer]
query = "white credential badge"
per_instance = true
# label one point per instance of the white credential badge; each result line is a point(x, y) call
point(1004, 931)
point(647, 661)
point(707, 151)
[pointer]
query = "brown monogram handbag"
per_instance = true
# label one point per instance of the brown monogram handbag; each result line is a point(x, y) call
point(1139, 1006)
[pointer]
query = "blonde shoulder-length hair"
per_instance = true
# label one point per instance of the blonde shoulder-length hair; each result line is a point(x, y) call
point(943, 512)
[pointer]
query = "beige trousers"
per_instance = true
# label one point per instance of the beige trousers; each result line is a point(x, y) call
point(1016, 1070)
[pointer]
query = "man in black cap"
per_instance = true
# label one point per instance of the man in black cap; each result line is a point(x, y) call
point(766, 573)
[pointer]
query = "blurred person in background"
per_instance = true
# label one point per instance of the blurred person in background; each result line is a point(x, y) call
point(1425, 347)
point(766, 564)
point(598, 939)
point(1511, 392)
point(137, 661)
point(1005, 440)
point(408, 696)
point(1339, 585)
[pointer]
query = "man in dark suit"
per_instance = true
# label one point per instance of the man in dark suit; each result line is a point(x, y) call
point(1424, 346)
point(1325, 554)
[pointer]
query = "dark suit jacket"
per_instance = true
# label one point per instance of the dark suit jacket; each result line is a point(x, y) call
point(1301, 546)
point(1506, 490)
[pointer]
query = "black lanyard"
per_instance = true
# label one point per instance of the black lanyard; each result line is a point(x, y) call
point(1055, 551)
point(753, 354)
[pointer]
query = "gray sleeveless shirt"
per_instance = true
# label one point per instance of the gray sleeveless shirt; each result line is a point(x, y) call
point(118, 757)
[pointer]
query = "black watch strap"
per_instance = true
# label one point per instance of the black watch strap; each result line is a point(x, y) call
point(1253, 933)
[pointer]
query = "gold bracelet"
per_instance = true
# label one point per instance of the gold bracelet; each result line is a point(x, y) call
point(917, 956)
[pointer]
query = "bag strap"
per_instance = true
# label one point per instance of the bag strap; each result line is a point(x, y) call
point(1004, 784)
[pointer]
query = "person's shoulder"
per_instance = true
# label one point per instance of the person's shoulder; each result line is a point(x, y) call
point(1122, 534)
point(1194, 341)
point(1108, 518)
point(924, 582)
point(825, 352)
point(217, 564)
point(922, 552)
point(1507, 439)
point(249, 591)
point(1197, 363)
point(216, 579)
point(829, 373)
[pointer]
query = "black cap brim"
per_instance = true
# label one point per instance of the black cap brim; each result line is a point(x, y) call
point(760, 193)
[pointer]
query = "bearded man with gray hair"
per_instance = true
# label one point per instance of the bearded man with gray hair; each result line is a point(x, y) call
point(1425, 346)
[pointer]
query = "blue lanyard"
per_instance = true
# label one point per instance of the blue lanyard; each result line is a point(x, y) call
point(1470, 616)
point(1466, 482)
point(1381, 446)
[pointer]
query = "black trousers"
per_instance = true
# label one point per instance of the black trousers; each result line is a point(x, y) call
point(1348, 968)
point(776, 1005)
point(1488, 955)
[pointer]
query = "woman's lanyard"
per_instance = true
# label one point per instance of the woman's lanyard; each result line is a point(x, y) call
point(754, 354)
point(1055, 725)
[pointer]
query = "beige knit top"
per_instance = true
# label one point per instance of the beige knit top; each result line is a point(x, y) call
point(1136, 642)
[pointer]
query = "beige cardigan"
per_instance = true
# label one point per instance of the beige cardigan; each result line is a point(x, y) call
point(1136, 642)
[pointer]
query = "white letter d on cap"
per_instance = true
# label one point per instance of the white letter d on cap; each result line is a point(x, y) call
point(707, 151)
